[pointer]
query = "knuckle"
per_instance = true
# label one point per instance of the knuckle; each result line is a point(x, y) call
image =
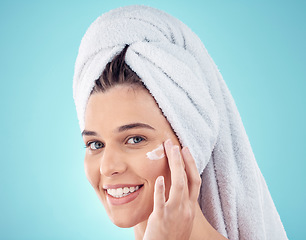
point(159, 207)
point(171, 218)
point(188, 215)
point(198, 181)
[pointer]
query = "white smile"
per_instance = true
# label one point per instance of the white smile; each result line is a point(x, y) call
point(122, 192)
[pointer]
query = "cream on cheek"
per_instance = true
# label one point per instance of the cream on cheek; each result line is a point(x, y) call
point(157, 153)
point(157, 165)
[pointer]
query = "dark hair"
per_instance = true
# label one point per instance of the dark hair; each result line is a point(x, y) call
point(117, 72)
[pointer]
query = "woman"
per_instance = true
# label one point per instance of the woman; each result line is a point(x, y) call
point(145, 87)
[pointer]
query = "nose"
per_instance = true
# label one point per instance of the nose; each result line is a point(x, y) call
point(112, 162)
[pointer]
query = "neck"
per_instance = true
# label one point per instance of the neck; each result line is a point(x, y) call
point(201, 228)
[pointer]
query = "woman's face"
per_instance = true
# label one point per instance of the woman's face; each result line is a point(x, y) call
point(122, 125)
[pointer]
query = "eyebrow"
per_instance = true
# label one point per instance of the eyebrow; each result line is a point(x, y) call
point(134, 125)
point(121, 128)
point(89, 133)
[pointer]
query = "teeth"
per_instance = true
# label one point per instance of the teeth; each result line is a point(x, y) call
point(122, 192)
point(126, 190)
point(119, 191)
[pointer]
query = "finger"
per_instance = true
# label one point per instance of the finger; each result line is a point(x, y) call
point(193, 176)
point(159, 194)
point(177, 174)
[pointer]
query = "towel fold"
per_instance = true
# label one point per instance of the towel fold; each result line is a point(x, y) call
point(186, 84)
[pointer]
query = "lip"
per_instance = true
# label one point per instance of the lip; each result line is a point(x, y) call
point(123, 200)
point(105, 187)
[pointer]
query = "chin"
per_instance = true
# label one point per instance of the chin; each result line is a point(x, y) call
point(127, 218)
point(126, 222)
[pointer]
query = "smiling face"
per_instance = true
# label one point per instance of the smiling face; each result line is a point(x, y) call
point(123, 125)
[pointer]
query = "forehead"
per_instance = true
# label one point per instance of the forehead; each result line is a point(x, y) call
point(121, 105)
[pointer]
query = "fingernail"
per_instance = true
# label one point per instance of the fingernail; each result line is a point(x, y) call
point(160, 180)
point(186, 150)
point(176, 151)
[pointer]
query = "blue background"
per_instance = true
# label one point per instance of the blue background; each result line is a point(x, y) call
point(259, 47)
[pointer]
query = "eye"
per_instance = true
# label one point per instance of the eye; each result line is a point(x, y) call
point(95, 145)
point(134, 140)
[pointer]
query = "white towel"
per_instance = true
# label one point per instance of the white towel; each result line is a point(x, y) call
point(185, 82)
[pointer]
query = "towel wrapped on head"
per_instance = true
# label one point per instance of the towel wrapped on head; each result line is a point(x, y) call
point(175, 67)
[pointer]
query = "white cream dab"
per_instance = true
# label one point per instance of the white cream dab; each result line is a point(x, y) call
point(157, 153)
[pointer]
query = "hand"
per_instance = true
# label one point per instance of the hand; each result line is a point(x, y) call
point(173, 219)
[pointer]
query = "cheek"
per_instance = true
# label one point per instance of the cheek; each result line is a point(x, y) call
point(155, 169)
point(149, 170)
point(92, 173)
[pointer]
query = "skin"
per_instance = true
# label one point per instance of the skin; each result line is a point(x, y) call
point(121, 126)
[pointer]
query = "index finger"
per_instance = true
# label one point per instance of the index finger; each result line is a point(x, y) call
point(178, 182)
